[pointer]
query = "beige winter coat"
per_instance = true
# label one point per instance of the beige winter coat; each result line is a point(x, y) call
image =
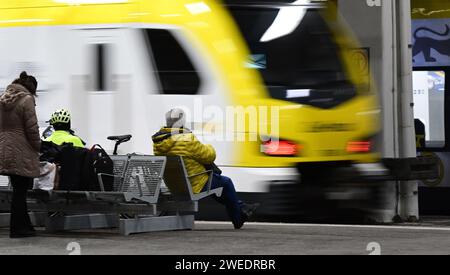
point(19, 133)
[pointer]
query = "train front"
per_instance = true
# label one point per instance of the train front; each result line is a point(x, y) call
point(323, 108)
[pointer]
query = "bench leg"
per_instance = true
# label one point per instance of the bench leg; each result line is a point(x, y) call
point(38, 218)
point(152, 224)
point(4, 219)
point(78, 222)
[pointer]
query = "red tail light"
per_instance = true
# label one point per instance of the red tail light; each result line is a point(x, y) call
point(280, 148)
point(359, 147)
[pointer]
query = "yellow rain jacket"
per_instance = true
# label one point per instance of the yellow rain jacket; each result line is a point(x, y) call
point(182, 142)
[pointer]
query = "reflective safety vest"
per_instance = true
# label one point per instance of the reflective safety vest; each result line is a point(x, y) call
point(60, 137)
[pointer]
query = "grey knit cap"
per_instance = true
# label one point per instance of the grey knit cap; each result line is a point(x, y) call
point(175, 118)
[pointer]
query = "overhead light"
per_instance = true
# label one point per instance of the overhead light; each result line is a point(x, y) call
point(287, 20)
point(198, 8)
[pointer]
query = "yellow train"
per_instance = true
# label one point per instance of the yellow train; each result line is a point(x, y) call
point(273, 87)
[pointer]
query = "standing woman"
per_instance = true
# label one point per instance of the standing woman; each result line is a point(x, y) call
point(19, 148)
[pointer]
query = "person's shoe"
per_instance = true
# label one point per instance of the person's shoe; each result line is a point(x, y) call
point(239, 224)
point(22, 234)
point(249, 209)
point(247, 212)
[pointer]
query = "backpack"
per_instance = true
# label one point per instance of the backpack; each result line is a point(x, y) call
point(71, 160)
point(97, 161)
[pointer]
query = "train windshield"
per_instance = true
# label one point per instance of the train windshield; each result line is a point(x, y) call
point(294, 49)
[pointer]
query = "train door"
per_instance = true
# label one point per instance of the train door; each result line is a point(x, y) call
point(92, 89)
point(113, 90)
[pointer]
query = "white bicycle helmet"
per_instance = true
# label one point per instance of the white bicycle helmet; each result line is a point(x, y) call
point(60, 116)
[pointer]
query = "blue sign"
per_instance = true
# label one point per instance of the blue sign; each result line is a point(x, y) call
point(431, 42)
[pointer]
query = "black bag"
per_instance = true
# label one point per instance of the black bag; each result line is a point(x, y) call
point(71, 160)
point(50, 152)
point(98, 162)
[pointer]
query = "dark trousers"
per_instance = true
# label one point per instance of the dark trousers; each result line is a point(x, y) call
point(229, 197)
point(20, 220)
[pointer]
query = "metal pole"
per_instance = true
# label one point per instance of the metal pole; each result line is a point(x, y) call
point(409, 208)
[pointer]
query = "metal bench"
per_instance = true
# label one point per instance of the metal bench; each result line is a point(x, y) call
point(4, 186)
point(136, 205)
point(178, 181)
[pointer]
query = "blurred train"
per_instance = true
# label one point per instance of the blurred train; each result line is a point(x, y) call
point(309, 60)
point(277, 89)
point(120, 65)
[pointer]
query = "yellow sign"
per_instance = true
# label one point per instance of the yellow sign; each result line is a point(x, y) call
point(430, 9)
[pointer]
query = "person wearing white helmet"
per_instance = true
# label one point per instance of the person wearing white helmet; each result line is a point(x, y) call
point(61, 122)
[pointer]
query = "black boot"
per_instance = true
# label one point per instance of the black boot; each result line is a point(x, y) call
point(247, 211)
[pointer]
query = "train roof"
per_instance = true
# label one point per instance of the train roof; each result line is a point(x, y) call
point(277, 2)
point(76, 12)
point(21, 4)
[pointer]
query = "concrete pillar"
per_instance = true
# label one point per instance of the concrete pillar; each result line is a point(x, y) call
point(409, 205)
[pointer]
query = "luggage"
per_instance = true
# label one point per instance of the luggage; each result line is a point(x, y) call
point(72, 160)
point(80, 167)
point(98, 162)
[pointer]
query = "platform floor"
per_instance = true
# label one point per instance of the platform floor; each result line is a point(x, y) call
point(431, 236)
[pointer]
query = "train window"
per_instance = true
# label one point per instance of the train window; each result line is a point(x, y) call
point(294, 49)
point(174, 68)
point(429, 107)
point(100, 67)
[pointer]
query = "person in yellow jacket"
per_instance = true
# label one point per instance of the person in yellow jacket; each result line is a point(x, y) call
point(60, 121)
point(176, 140)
